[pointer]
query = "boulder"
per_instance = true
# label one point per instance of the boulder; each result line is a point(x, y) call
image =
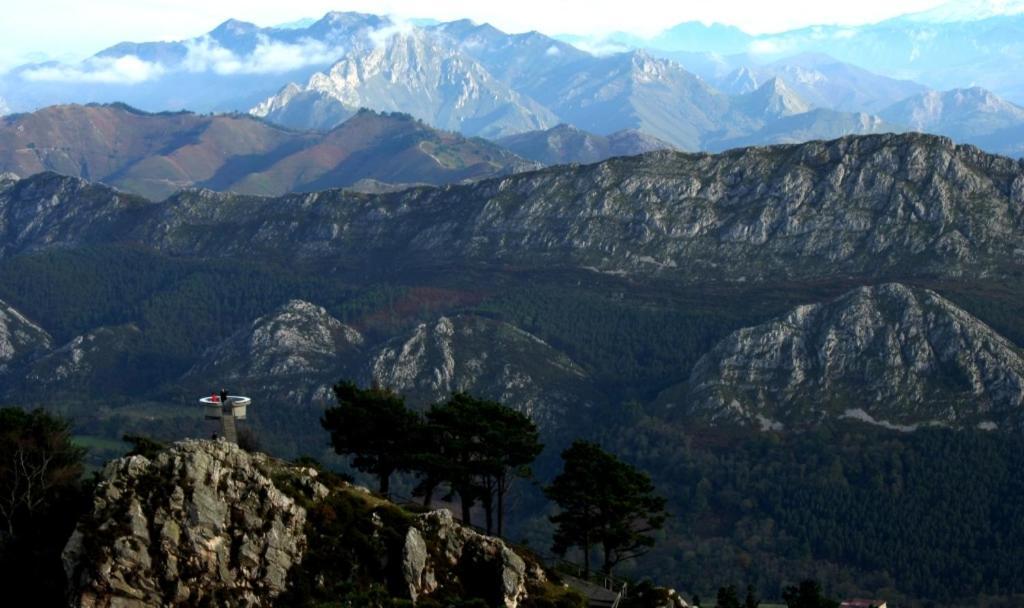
point(440, 552)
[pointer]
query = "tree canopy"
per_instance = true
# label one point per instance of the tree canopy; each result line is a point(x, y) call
point(604, 502)
point(479, 448)
point(807, 595)
point(372, 425)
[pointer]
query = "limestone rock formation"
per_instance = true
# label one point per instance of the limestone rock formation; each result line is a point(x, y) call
point(19, 337)
point(438, 551)
point(486, 357)
point(202, 522)
point(885, 206)
point(206, 523)
point(291, 355)
point(889, 354)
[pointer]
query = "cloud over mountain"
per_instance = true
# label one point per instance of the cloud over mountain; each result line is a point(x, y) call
point(269, 56)
point(128, 69)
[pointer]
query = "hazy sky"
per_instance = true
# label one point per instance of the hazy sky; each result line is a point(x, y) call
point(73, 29)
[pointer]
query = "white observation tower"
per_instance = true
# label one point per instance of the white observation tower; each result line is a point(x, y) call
point(226, 408)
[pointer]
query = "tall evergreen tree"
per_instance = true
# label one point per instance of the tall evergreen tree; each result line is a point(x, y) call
point(512, 443)
point(751, 601)
point(727, 597)
point(373, 426)
point(807, 595)
point(480, 447)
point(604, 502)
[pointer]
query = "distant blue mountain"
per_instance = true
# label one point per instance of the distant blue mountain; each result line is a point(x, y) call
point(695, 86)
point(962, 44)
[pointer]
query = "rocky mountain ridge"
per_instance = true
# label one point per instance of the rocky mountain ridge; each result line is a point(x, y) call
point(872, 206)
point(855, 211)
point(295, 354)
point(972, 115)
point(889, 355)
point(478, 80)
point(411, 72)
point(823, 82)
point(485, 357)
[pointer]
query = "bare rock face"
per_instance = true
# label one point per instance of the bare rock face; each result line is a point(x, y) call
point(439, 551)
point(293, 353)
point(486, 357)
point(19, 337)
point(414, 72)
point(201, 523)
point(888, 354)
point(298, 338)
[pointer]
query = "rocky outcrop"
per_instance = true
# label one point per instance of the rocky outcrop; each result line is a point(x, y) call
point(439, 552)
point(485, 357)
point(19, 337)
point(206, 523)
point(889, 355)
point(201, 523)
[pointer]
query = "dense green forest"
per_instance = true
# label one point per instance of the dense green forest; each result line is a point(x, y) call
point(934, 515)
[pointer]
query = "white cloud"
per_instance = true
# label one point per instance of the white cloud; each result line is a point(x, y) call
point(553, 51)
point(770, 46)
point(269, 56)
point(397, 27)
point(204, 55)
point(107, 70)
point(72, 26)
point(599, 46)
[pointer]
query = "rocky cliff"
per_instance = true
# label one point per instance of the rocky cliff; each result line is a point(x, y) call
point(890, 355)
point(205, 523)
point(200, 523)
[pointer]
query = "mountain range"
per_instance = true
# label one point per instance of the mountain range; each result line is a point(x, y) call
point(922, 206)
point(963, 45)
point(156, 155)
point(875, 209)
point(695, 87)
point(867, 288)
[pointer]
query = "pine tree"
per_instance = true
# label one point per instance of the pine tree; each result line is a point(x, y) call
point(727, 598)
point(480, 446)
point(374, 427)
point(604, 502)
